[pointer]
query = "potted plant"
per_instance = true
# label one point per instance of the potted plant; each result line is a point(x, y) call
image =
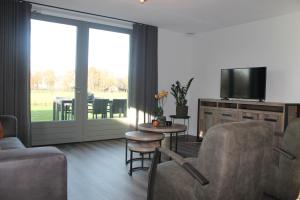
point(160, 97)
point(179, 92)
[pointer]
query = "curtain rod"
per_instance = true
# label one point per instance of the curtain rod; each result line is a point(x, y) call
point(83, 12)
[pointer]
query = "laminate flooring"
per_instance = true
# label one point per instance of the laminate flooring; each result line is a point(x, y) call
point(97, 170)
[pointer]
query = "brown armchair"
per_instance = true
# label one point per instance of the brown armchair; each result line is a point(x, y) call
point(232, 164)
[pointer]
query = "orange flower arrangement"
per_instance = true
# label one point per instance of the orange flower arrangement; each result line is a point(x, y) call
point(161, 97)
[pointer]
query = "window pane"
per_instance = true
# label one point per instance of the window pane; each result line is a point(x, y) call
point(107, 74)
point(53, 58)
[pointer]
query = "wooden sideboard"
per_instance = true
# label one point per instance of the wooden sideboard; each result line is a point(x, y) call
point(215, 111)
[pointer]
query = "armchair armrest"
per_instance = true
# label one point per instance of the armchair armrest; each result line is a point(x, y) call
point(285, 153)
point(9, 123)
point(185, 165)
point(180, 161)
point(33, 173)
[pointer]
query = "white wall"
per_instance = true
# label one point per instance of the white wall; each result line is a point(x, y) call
point(274, 43)
point(177, 59)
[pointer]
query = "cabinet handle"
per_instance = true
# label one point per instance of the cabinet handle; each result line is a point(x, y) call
point(270, 120)
point(226, 115)
point(208, 113)
point(247, 117)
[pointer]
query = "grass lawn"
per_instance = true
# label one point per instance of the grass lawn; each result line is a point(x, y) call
point(42, 102)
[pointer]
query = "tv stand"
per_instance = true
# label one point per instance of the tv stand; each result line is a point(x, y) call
point(215, 111)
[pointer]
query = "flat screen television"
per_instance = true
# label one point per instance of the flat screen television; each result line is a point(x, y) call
point(244, 83)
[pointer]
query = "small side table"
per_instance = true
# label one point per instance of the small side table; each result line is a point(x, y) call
point(174, 129)
point(142, 143)
point(184, 118)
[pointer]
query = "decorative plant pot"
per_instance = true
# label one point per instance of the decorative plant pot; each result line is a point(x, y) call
point(155, 123)
point(181, 111)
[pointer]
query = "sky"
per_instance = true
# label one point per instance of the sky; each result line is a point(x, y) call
point(53, 46)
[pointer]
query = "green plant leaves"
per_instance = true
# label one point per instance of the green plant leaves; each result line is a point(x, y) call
point(179, 92)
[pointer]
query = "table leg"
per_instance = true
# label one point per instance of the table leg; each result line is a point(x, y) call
point(62, 111)
point(171, 137)
point(126, 150)
point(188, 126)
point(176, 141)
point(184, 131)
point(130, 170)
point(54, 110)
point(58, 109)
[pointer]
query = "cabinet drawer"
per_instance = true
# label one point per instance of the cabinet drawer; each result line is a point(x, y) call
point(207, 119)
point(227, 115)
point(207, 112)
point(275, 120)
point(248, 116)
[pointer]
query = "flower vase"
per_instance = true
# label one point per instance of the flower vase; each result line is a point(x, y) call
point(155, 123)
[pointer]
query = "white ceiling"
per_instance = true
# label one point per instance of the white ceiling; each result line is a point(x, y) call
point(187, 16)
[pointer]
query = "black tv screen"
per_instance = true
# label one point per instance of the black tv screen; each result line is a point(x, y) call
point(244, 83)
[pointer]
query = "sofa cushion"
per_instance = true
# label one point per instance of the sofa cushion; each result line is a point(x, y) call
point(11, 143)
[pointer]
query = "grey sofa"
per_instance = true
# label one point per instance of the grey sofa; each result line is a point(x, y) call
point(38, 173)
point(232, 164)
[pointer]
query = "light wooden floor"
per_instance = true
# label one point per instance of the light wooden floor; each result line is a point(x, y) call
point(97, 171)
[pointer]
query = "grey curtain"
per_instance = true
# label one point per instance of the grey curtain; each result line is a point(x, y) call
point(15, 64)
point(143, 68)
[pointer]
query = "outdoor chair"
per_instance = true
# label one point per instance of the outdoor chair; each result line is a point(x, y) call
point(100, 107)
point(70, 110)
point(119, 106)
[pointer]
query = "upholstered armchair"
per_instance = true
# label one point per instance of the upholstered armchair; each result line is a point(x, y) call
point(232, 164)
point(284, 184)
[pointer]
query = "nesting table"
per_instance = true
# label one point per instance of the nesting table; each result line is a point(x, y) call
point(142, 143)
point(172, 130)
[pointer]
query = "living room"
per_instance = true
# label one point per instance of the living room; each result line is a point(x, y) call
point(172, 40)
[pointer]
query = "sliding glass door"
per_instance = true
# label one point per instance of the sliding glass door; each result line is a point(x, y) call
point(79, 80)
point(53, 66)
point(108, 65)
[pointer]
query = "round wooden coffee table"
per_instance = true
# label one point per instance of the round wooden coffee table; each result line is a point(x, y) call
point(142, 143)
point(174, 129)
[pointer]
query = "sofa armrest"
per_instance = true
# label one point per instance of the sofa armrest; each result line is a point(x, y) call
point(9, 123)
point(33, 173)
